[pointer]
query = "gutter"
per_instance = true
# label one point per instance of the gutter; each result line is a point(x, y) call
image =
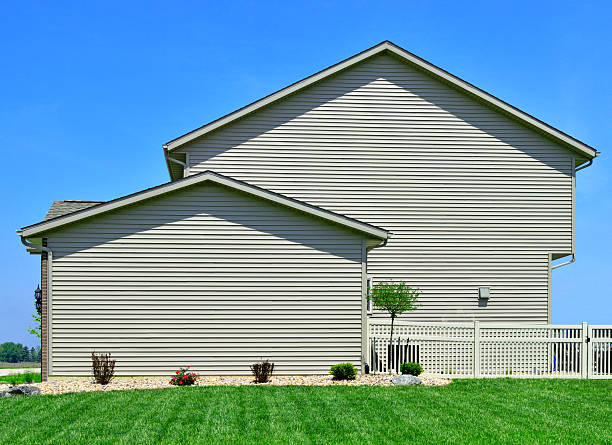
point(33, 246)
point(383, 244)
point(588, 164)
point(176, 161)
point(566, 263)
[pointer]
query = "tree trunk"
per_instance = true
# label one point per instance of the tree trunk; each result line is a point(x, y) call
point(390, 358)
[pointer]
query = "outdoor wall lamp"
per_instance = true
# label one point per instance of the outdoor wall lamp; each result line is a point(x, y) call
point(483, 293)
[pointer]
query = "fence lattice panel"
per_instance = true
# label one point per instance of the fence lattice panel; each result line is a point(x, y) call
point(493, 349)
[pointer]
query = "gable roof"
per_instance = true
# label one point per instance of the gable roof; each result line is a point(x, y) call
point(406, 56)
point(61, 208)
point(207, 176)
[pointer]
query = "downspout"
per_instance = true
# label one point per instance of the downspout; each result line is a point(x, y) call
point(49, 253)
point(566, 263)
point(26, 243)
point(377, 246)
point(574, 254)
point(383, 244)
point(584, 166)
point(366, 334)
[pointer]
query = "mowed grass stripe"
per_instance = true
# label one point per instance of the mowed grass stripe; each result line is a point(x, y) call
point(476, 411)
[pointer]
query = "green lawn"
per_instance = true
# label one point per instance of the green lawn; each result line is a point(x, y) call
point(482, 411)
point(20, 377)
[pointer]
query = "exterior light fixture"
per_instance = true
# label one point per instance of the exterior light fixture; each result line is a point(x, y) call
point(483, 293)
point(38, 299)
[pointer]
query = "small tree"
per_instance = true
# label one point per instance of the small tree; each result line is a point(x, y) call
point(36, 330)
point(37, 326)
point(395, 298)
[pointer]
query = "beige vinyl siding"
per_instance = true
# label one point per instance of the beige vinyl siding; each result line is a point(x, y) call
point(472, 197)
point(209, 277)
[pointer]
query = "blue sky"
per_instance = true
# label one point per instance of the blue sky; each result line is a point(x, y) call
point(89, 91)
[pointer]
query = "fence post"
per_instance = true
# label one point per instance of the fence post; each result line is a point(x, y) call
point(584, 352)
point(476, 354)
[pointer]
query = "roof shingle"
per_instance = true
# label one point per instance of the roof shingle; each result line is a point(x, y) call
point(61, 208)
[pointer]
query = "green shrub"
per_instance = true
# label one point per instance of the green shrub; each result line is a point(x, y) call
point(28, 377)
point(343, 371)
point(19, 379)
point(411, 368)
point(12, 379)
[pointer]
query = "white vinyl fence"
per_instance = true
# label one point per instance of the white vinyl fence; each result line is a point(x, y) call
point(492, 349)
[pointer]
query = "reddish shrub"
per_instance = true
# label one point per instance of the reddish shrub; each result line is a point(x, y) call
point(184, 377)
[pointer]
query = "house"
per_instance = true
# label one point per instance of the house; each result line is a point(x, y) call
point(260, 246)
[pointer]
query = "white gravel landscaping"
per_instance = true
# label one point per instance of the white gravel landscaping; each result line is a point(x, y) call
point(61, 385)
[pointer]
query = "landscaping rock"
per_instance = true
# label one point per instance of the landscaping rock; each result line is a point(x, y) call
point(21, 390)
point(406, 380)
point(61, 385)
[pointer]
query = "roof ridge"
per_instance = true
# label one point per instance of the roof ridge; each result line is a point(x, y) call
point(500, 105)
point(214, 177)
point(78, 200)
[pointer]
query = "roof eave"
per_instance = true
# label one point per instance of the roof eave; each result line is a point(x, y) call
point(294, 87)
